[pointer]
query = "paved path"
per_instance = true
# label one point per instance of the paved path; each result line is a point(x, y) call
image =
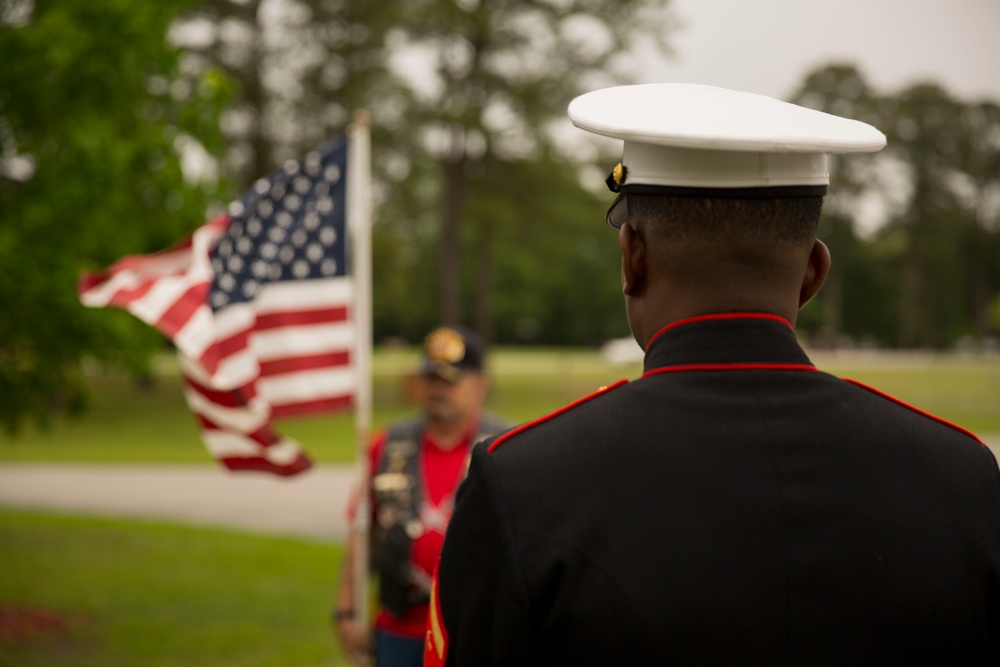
point(310, 505)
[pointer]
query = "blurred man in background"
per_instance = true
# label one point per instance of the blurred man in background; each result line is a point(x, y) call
point(415, 467)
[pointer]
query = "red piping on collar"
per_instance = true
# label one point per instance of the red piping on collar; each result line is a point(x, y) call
point(719, 316)
point(731, 367)
point(917, 410)
point(566, 408)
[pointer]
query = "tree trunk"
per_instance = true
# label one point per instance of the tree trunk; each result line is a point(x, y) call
point(913, 319)
point(258, 99)
point(450, 257)
point(911, 301)
point(485, 322)
point(980, 301)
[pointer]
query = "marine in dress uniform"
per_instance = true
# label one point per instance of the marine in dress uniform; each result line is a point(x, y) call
point(733, 505)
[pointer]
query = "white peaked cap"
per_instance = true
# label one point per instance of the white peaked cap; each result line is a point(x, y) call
point(679, 136)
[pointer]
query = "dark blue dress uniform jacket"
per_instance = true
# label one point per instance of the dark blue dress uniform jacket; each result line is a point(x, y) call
point(732, 506)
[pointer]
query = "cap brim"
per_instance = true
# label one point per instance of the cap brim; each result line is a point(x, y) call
point(618, 212)
point(443, 371)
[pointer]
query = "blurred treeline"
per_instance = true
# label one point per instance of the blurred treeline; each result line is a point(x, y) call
point(928, 274)
point(124, 125)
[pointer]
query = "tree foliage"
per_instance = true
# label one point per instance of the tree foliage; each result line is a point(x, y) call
point(496, 76)
point(928, 276)
point(462, 93)
point(300, 68)
point(555, 262)
point(95, 111)
point(479, 210)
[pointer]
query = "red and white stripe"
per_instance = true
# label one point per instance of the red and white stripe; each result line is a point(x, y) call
point(288, 352)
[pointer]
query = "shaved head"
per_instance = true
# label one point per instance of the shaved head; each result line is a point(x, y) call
point(729, 240)
point(790, 220)
point(695, 255)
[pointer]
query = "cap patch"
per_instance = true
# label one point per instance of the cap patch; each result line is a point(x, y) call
point(445, 346)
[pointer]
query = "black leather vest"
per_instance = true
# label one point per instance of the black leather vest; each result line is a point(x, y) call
point(397, 487)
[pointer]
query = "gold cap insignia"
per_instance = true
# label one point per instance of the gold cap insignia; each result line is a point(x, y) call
point(617, 177)
point(445, 346)
point(619, 173)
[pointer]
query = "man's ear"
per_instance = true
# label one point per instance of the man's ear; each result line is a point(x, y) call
point(483, 387)
point(633, 260)
point(817, 269)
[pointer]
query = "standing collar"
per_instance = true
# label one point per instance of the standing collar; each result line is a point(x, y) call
point(726, 340)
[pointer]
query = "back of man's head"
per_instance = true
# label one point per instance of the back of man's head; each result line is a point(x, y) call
point(786, 222)
point(748, 239)
point(719, 253)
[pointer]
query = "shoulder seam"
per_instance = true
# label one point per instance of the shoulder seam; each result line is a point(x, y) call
point(915, 409)
point(566, 408)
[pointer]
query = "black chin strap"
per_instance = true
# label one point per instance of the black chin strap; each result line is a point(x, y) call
point(775, 192)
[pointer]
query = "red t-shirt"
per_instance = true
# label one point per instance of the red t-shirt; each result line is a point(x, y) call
point(441, 471)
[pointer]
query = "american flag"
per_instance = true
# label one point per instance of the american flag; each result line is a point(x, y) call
point(258, 303)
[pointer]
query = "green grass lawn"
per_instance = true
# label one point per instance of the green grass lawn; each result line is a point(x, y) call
point(141, 593)
point(116, 592)
point(132, 423)
point(965, 390)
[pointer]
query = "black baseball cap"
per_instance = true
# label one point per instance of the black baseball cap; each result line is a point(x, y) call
point(449, 351)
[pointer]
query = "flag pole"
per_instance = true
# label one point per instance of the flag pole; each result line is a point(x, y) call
point(359, 222)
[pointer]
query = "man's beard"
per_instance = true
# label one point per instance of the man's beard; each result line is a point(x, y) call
point(442, 410)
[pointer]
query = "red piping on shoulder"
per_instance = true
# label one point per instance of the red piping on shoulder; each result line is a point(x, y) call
point(915, 409)
point(527, 425)
point(436, 641)
point(719, 316)
point(731, 367)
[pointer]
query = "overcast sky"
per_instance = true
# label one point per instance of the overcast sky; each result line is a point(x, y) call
point(767, 46)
